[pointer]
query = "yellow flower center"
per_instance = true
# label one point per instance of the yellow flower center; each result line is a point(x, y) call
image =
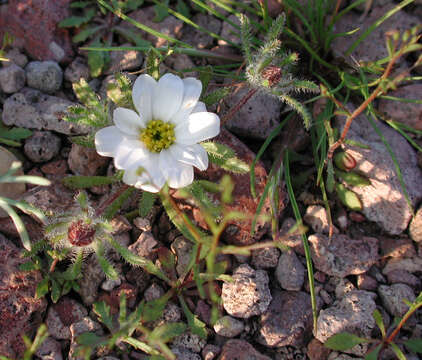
point(158, 135)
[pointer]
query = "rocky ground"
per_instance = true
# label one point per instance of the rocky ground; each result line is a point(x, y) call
point(373, 260)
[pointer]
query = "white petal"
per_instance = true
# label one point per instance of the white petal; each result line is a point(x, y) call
point(147, 170)
point(107, 140)
point(190, 154)
point(167, 98)
point(128, 153)
point(199, 127)
point(177, 174)
point(143, 92)
point(128, 121)
point(199, 107)
point(191, 92)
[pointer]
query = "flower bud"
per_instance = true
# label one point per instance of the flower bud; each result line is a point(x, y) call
point(344, 161)
point(80, 233)
point(272, 74)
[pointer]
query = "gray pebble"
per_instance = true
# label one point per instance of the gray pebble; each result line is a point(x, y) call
point(42, 146)
point(12, 79)
point(46, 76)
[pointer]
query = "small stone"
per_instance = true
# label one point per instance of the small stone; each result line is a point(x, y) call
point(415, 228)
point(154, 292)
point(86, 325)
point(184, 354)
point(120, 225)
point(411, 265)
point(145, 246)
point(86, 161)
point(46, 76)
point(353, 313)
point(288, 320)
point(42, 146)
point(397, 248)
point(392, 298)
point(130, 293)
point(15, 57)
point(325, 296)
point(404, 277)
point(181, 62)
point(290, 272)
point(32, 109)
point(203, 311)
point(124, 60)
point(182, 247)
point(342, 287)
point(248, 294)
point(138, 277)
point(290, 237)
point(210, 352)
point(366, 282)
point(317, 351)
point(110, 284)
point(265, 258)
point(56, 167)
point(316, 216)
point(143, 224)
point(410, 113)
point(12, 79)
point(49, 349)
point(240, 350)
point(171, 314)
point(92, 277)
point(63, 314)
point(190, 341)
point(341, 256)
point(228, 32)
point(199, 38)
point(78, 69)
point(228, 326)
point(257, 118)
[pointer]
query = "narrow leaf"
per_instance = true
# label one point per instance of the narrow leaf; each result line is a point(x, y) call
point(344, 341)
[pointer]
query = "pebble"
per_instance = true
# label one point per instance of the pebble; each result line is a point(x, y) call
point(139, 277)
point(153, 292)
point(352, 313)
point(49, 349)
point(229, 327)
point(265, 258)
point(288, 320)
point(15, 57)
point(404, 277)
point(78, 69)
point(290, 272)
point(145, 245)
point(89, 283)
point(415, 227)
point(248, 294)
point(124, 60)
point(46, 76)
point(110, 284)
point(62, 315)
point(200, 39)
point(182, 247)
point(316, 216)
point(86, 161)
point(56, 167)
point(12, 79)
point(210, 352)
point(392, 298)
point(341, 256)
point(240, 350)
point(366, 282)
point(317, 351)
point(228, 32)
point(42, 146)
point(184, 354)
point(397, 247)
point(143, 224)
point(190, 341)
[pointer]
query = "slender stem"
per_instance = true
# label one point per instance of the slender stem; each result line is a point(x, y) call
point(53, 265)
point(238, 106)
point(113, 197)
point(363, 106)
point(400, 325)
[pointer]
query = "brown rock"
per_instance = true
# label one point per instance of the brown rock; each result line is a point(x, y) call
point(238, 231)
point(288, 320)
point(409, 114)
point(86, 161)
point(415, 227)
point(341, 256)
point(404, 277)
point(34, 22)
point(397, 248)
point(240, 350)
point(20, 311)
point(8, 227)
point(366, 282)
point(317, 350)
point(56, 167)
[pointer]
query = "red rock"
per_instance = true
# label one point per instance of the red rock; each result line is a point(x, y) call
point(238, 231)
point(34, 22)
point(397, 248)
point(20, 312)
point(57, 167)
point(86, 161)
point(317, 351)
point(240, 350)
point(366, 282)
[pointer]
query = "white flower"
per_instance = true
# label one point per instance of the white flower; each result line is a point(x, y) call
point(159, 142)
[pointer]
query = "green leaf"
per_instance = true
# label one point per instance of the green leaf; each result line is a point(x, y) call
point(88, 339)
point(352, 178)
point(42, 288)
point(167, 332)
point(83, 182)
point(415, 345)
point(80, 4)
point(373, 355)
point(85, 94)
point(196, 326)
point(84, 140)
point(182, 8)
point(73, 21)
point(161, 11)
point(146, 203)
point(378, 319)
point(86, 33)
point(216, 96)
point(103, 311)
point(344, 341)
point(140, 345)
point(96, 60)
point(225, 157)
point(397, 351)
point(105, 265)
point(117, 204)
point(154, 309)
point(16, 134)
point(348, 198)
point(55, 291)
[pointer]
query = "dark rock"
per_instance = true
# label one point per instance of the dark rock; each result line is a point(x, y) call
point(317, 351)
point(49, 349)
point(42, 146)
point(240, 350)
point(392, 298)
point(341, 256)
point(35, 24)
point(56, 167)
point(265, 258)
point(12, 79)
point(86, 161)
point(198, 38)
point(288, 320)
point(20, 311)
point(46, 76)
point(404, 277)
point(78, 69)
point(397, 248)
point(290, 272)
point(366, 282)
point(92, 277)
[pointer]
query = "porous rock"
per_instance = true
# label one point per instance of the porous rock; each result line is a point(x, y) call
point(86, 161)
point(240, 350)
point(46, 76)
point(12, 79)
point(42, 146)
point(392, 298)
point(290, 272)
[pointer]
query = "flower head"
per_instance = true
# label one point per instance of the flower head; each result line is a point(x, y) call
point(158, 142)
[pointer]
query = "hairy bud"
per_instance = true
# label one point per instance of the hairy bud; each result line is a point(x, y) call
point(80, 233)
point(272, 74)
point(344, 161)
